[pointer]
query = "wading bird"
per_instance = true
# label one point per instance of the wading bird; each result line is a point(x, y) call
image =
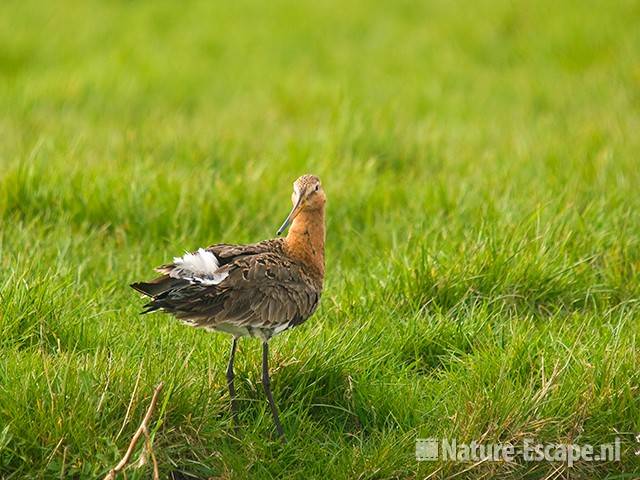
point(256, 290)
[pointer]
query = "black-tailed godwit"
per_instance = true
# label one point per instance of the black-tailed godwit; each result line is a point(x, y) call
point(256, 290)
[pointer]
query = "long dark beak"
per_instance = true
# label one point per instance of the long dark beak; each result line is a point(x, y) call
point(294, 211)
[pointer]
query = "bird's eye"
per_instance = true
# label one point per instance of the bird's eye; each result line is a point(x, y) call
point(317, 187)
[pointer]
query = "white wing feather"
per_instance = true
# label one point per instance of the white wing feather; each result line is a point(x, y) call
point(199, 267)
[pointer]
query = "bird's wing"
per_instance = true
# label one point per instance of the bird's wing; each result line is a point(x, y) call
point(262, 290)
point(201, 267)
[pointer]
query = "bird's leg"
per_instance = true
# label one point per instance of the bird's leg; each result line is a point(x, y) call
point(266, 384)
point(232, 389)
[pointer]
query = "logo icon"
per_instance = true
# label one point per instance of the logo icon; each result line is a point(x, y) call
point(426, 449)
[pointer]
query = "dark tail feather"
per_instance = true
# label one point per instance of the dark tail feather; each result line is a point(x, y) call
point(158, 286)
point(148, 289)
point(156, 289)
point(150, 307)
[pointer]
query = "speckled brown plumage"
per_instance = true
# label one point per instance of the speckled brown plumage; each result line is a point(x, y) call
point(267, 291)
point(257, 290)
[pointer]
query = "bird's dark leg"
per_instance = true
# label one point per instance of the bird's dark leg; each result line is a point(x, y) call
point(266, 383)
point(232, 389)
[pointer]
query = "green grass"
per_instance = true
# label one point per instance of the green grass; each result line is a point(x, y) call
point(481, 163)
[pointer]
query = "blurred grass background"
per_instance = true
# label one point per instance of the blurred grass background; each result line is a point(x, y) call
point(481, 163)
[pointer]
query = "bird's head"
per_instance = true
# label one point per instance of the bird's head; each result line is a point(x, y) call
point(307, 196)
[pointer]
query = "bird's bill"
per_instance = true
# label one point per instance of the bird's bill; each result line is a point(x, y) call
point(294, 212)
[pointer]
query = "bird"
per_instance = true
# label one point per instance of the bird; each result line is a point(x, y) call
point(254, 290)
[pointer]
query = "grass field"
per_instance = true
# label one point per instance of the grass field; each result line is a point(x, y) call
point(481, 163)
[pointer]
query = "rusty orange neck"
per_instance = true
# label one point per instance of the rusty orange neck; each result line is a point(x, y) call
point(305, 240)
